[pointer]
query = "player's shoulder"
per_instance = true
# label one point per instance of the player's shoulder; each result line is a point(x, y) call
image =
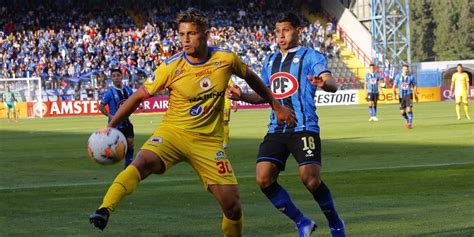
point(311, 52)
point(128, 88)
point(313, 55)
point(220, 50)
point(174, 58)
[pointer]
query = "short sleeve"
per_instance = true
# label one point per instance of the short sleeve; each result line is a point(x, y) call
point(159, 81)
point(265, 76)
point(318, 64)
point(106, 99)
point(238, 67)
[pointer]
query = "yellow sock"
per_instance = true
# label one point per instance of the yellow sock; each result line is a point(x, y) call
point(232, 228)
point(123, 185)
point(466, 110)
point(226, 134)
point(458, 111)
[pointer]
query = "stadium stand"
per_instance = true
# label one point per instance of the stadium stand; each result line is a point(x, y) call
point(74, 50)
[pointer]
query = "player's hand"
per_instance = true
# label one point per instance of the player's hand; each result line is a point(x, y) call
point(316, 80)
point(416, 97)
point(285, 115)
point(234, 92)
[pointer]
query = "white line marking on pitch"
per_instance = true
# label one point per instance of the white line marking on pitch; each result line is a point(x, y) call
point(166, 180)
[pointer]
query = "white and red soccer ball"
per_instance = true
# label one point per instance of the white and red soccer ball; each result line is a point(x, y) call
point(107, 146)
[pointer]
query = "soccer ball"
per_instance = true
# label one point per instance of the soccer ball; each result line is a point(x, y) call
point(107, 146)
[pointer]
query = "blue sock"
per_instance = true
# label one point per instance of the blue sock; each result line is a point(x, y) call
point(322, 195)
point(370, 111)
point(282, 201)
point(128, 157)
point(410, 117)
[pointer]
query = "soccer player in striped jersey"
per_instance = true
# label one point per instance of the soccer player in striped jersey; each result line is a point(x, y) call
point(460, 86)
point(293, 73)
point(406, 85)
point(114, 98)
point(192, 129)
point(372, 89)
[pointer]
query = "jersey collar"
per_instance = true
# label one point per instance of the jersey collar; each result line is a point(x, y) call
point(292, 50)
point(209, 52)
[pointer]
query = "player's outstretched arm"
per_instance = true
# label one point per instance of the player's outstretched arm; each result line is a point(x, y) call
point(127, 108)
point(452, 85)
point(234, 92)
point(282, 113)
point(324, 81)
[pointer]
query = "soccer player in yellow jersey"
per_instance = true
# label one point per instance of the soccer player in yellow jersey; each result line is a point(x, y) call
point(460, 85)
point(228, 105)
point(191, 130)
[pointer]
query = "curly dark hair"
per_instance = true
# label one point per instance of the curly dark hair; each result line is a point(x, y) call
point(192, 15)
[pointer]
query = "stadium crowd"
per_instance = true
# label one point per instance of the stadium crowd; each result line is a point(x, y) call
point(82, 44)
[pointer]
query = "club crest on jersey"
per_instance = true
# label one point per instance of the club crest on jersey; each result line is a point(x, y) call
point(296, 60)
point(195, 110)
point(283, 84)
point(205, 83)
point(177, 72)
point(217, 63)
point(373, 81)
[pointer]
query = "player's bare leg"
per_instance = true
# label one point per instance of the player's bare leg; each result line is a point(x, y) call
point(228, 197)
point(146, 163)
point(310, 175)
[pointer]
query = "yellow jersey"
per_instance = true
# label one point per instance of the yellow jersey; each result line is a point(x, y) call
point(196, 90)
point(227, 102)
point(460, 82)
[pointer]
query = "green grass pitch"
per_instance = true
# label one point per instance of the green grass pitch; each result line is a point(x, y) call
point(386, 180)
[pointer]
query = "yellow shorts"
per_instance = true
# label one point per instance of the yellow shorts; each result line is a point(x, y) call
point(203, 153)
point(226, 115)
point(461, 97)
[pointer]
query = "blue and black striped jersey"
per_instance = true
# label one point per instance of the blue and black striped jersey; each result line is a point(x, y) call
point(114, 98)
point(405, 84)
point(372, 81)
point(286, 78)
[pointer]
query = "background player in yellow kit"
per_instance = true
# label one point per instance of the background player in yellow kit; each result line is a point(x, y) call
point(228, 105)
point(460, 85)
point(191, 129)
